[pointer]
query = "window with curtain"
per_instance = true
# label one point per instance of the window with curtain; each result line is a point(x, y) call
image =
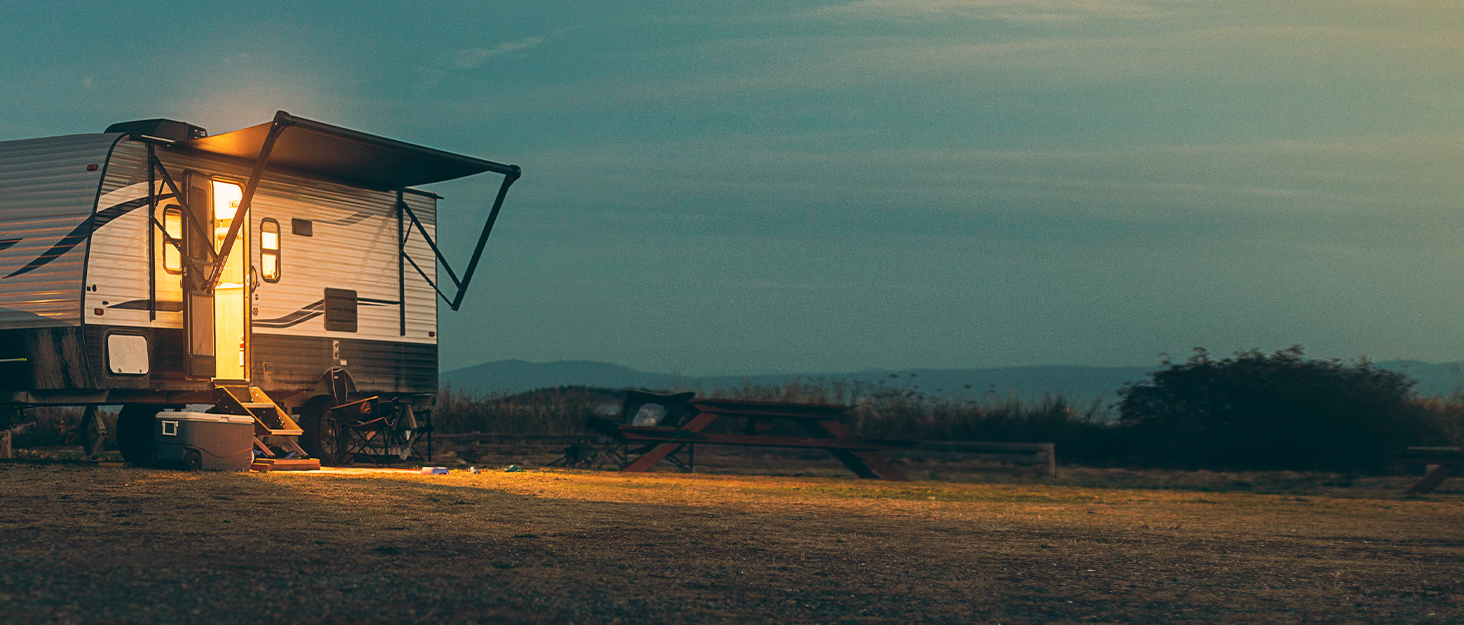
point(173, 225)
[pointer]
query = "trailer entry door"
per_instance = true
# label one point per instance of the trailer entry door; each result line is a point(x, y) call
point(198, 304)
point(217, 322)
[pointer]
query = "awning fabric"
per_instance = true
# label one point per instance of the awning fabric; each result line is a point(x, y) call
point(346, 155)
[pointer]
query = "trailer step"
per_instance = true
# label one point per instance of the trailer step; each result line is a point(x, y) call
point(273, 427)
point(269, 418)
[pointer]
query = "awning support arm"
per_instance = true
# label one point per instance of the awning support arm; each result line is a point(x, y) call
point(433, 244)
point(282, 121)
point(182, 201)
point(511, 174)
point(152, 254)
point(177, 196)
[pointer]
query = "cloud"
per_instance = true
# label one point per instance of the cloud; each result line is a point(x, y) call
point(1009, 10)
point(473, 57)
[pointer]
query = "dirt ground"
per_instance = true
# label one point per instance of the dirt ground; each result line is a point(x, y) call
point(95, 546)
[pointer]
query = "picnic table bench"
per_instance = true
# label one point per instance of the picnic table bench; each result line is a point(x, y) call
point(686, 424)
point(1446, 461)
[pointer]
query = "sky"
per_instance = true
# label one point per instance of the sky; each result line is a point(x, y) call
point(794, 186)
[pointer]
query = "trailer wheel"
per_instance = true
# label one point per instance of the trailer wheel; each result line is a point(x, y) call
point(193, 461)
point(135, 433)
point(321, 435)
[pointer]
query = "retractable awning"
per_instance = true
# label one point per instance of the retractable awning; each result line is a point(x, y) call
point(367, 160)
point(344, 154)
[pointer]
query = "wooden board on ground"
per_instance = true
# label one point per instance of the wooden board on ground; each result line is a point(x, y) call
point(265, 465)
point(104, 464)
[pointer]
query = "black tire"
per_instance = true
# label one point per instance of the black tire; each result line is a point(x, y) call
point(193, 461)
point(321, 435)
point(135, 433)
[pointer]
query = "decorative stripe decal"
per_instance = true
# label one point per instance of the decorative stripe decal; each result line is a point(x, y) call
point(292, 319)
point(81, 232)
point(141, 304)
point(306, 313)
point(311, 311)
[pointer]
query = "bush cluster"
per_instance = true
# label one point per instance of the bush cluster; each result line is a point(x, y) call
point(1278, 411)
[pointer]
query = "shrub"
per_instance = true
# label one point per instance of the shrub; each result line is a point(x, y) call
point(1276, 411)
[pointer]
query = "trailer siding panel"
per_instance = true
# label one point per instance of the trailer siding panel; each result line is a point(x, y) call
point(117, 264)
point(352, 246)
point(287, 364)
point(46, 205)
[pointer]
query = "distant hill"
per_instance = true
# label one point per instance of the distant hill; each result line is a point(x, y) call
point(1080, 384)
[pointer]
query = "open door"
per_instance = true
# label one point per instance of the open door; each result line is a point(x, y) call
point(198, 304)
point(217, 320)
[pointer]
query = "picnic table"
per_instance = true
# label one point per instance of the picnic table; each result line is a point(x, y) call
point(1447, 461)
point(816, 426)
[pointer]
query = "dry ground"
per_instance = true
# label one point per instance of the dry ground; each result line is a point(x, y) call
point(93, 546)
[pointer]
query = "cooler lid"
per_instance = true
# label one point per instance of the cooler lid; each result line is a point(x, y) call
point(205, 416)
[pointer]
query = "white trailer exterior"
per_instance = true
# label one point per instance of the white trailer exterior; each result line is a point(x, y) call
point(151, 263)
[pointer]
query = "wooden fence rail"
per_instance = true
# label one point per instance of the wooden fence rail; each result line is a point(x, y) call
point(546, 447)
point(1039, 454)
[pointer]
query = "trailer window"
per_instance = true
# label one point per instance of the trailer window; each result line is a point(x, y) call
point(173, 226)
point(269, 250)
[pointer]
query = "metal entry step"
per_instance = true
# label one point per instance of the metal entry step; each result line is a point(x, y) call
point(269, 418)
point(273, 427)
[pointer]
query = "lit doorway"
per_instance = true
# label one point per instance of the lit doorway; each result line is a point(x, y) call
point(231, 295)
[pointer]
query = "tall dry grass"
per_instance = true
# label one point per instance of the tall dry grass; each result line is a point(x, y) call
point(561, 410)
point(880, 411)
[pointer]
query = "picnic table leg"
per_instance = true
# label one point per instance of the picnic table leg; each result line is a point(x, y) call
point(1433, 479)
point(659, 452)
point(865, 464)
point(869, 465)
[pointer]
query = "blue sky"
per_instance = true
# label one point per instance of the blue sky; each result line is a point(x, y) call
point(739, 187)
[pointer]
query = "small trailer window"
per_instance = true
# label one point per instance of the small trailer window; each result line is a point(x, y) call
point(269, 250)
point(173, 226)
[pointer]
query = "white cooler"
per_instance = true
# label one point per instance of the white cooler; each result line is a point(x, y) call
point(202, 440)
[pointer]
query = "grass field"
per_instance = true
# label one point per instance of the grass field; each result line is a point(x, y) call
point(84, 545)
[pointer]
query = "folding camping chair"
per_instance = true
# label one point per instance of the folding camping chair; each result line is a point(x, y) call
point(641, 408)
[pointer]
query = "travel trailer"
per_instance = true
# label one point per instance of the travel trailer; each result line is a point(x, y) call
point(287, 271)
